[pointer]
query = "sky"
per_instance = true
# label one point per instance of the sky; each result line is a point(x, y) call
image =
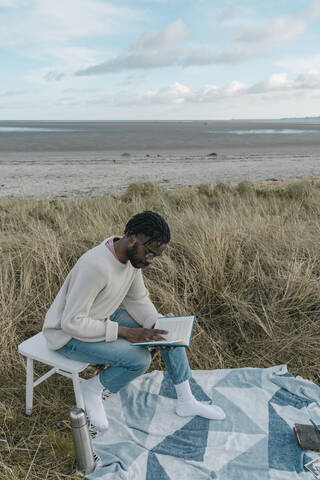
point(159, 59)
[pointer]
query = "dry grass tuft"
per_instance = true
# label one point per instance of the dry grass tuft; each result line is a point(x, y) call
point(244, 258)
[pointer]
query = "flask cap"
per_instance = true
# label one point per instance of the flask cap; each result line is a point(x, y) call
point(78, 418)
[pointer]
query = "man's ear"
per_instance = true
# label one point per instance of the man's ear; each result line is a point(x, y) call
point(132, 239)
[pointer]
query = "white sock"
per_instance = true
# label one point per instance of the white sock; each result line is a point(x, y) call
point(188, 406)
point(92, 395)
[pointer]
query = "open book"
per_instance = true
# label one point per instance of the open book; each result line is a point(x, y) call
point(314, 467)
point(179, 331)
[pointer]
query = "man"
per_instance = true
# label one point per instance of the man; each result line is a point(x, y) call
point(85, 321)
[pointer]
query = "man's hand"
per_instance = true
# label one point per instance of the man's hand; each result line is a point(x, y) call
point(137, 335)
point(163, 347)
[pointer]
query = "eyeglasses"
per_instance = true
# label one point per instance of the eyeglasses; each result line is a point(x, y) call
point(150, 253)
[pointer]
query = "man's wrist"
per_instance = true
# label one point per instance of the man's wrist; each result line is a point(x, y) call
point(122, 331)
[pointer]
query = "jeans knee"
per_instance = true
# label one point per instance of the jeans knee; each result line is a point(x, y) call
point(142, 359)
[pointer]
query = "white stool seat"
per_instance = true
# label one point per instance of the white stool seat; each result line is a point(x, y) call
point(35, 348)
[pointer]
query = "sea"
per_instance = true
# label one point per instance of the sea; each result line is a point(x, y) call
point(169, 137)
point(67, 158)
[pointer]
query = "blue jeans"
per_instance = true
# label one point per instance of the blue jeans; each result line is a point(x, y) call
point(126, 361)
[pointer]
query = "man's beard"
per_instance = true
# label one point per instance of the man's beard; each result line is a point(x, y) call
point(132, 254)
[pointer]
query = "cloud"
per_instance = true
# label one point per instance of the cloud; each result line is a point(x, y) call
point(234, 88)
point(279, 30)
point(277, 81)
point(279, 85)
point(45, 32)
point(65, 61)
point(164, 38)
point(232, 55)
point(313, 11)
point(12, 93)
point(53, 75)
point(153, 50)
point(232, 11)
point(305, 64)
point(307, 70)
point(308, 81)
point(134, 61)
point(175, 94)
point(150, 59)
point(55, 22)
point(44, 75)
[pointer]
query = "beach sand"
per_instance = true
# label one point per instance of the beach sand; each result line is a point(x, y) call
point(54, 175)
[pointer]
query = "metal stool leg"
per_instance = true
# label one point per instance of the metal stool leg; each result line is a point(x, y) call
point(77, 391)
point(29, 386)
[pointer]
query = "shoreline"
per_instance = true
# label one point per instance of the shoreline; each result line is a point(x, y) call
point(96, 174)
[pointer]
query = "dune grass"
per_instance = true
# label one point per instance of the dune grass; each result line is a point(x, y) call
point(244, 258)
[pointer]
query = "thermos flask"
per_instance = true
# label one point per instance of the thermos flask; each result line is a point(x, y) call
point(81, 440)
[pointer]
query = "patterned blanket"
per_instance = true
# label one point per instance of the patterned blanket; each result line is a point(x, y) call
point(148, 441)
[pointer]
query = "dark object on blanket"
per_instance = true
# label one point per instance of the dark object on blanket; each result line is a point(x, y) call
point(308, 438)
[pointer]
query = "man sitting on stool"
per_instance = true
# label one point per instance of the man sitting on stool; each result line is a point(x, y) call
point(85, 321)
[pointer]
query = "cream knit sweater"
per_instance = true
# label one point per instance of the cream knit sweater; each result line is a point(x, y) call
point(92, 291)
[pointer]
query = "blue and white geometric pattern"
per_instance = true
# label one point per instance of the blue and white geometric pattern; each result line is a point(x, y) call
point(148, 441)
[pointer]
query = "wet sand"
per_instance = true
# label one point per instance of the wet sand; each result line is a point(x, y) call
point(57, 175)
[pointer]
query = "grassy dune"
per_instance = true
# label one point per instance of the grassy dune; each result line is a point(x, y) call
point(244, 258)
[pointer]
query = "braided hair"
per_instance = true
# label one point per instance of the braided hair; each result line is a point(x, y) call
point(150, 224)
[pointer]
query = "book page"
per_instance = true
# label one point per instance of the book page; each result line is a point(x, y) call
point(179, 330)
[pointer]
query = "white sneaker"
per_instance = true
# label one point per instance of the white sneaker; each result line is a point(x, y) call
point(92, 396)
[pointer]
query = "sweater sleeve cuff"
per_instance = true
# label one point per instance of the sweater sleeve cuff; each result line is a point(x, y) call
point(111, 331)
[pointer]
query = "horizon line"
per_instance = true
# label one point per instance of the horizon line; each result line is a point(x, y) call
point(312, 117)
